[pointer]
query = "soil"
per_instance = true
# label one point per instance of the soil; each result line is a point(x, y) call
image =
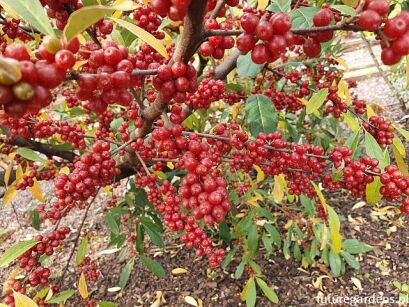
point(295, 286)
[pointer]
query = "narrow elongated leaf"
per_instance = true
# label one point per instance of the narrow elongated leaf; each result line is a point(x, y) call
point(154, 236)
point(335, 263)
point(36, 191)
point(15, 251)
point(144, 35)
point(334, 226)
point(316, 101)
point(350, 260)
point(83, 18)
point(261, 115)
point(82, 251)
point(126, 272)
point(32, 12)
point(112, 224)
point(29, 154)
point(373, 149)
point(61, 297)
point(82, 287)
point(252, 240)
point(229, 257)
point(251, 293)
point(153, 266)
point(20, 300)
point(268, 292)
point(400, 162)
point(354, 246)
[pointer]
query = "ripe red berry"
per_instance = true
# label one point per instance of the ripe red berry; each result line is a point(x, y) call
point(264, 30)
point(312, 48)
point(395, 27)
point(369, 20)
point(281, 23)
point(259, 55)
point(64, 59)
point(179, 69)
point(323, 17)
point(246, 42)
point(401, 45)
point(249, 22)
point(389, 57)
point(379, 6)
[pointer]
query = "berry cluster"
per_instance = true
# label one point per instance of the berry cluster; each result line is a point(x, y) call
point(174, 9)
point(215, 46)
point(371, 16)
point(359, 106)
point(334, 103)
point(72, 134)
point(108, 79)
point(174, 82)
point(395, 184)
point(274, 32)
point(207, 92)
point(59, 9)
point(89, 269)
point(381, 129)
point(12, 30)
point(18, 126)
point(91, 170)
point(146, 18)
point(404, 208)
point(26, 88)
point(396, 43)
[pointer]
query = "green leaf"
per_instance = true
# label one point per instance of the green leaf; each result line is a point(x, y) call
point(261, 115)
point(140, 236)
point(35, 220)
point(252, 240)
point(154, 236)
point(112, 224)
point(352, 141)
point(302, 18)
point(61, 297)
point(317, 100)
point(106, 304)
point(373, 191)
point(153, 266)
point(29, 154)
point(350, 260)
point(33, 13)
point(354, 246)
point(126, 272)
point(82, 251)
point(256, 268)
point(344, 9)
point(268, 292)
point(15, 251)
point(275, 235)
point(246, 67)
point(251, 293)
point(374, 150)
point(229, 257)
point(279, 6)
point(239, 270)
point(335, 263)
point(116, 123)
point(404, 132)
point(268, 243)
point(83, 18)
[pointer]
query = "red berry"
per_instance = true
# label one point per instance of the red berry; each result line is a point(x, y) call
point(369, 20)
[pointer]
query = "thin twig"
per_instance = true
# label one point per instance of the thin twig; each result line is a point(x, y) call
point(77, 238)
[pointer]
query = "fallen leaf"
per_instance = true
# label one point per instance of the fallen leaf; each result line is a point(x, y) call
point(179, 271)
point(357, 283)
point(191, 301)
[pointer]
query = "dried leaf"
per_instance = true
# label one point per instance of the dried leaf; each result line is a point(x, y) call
point(179, 271)
point(191, 301)
point(82, 287)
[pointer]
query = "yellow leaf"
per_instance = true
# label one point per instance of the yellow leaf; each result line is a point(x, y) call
point(352, 3)
point(320, 195)
point(170, 165)
point(234, 111)
point(336, 239)
point(108, 190)
point(260, 173)
point(253, 201)
point(262, 4)
point(7, 174)
point(400, 162)
point(11, 192)
point(3, 305)
point(143, 35)
point(179, 271)
point(123, 5)
point(279, 186)
point(36, 191)
point(243, 294)
point(20, 300)
point(9, 10)
point(343, 91)
point(168, 40)
point(324, 238)
point(81, 39)
point(81, 19)
point(78, 64)
point(305, 102)
point(82, 287)
point(64, 170)
point(281, 124)
point(160, 174)
point(399, 146)
point(342, 62)
point(369, 111)
point(19, 174)
point(191, 301)
point(351, 121)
